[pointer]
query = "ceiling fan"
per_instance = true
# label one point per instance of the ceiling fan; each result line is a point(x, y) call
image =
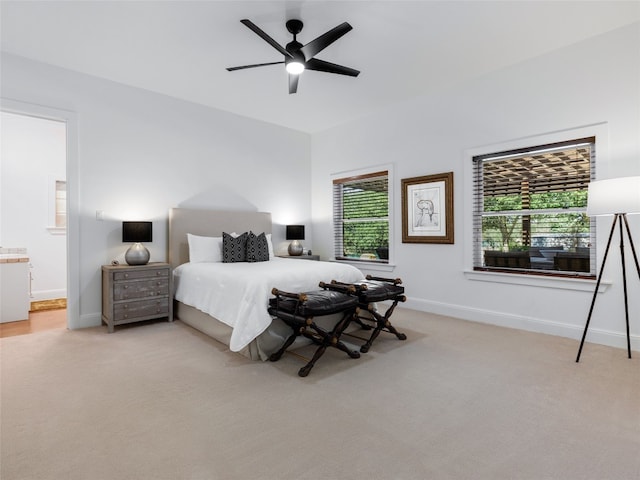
point(298, 57)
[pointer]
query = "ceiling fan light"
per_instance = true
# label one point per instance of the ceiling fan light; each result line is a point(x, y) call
point(295, 68)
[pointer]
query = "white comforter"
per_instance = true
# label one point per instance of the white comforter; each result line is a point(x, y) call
point(237, 294)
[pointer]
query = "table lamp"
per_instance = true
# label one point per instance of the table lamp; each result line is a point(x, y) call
point(137, 232)
point(618, 197)
point(295, 233)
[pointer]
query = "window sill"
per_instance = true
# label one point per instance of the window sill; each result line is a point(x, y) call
point(566, 283)
point(57, 230)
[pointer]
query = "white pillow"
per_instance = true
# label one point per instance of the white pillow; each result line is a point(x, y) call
point(270, 245)
point(204, 249)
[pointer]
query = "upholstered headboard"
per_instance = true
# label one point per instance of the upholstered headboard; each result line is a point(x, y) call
point(209, 223)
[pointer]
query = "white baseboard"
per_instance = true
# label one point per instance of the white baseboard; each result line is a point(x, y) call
point(531, 324)
point(40, 295)
point(521, 322)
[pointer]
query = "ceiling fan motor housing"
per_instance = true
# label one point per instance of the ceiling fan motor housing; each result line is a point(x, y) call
point(294, 26)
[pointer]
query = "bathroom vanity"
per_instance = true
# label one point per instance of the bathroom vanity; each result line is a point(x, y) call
point(14, 285)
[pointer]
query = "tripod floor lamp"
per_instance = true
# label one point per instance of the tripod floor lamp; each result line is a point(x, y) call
point(618, 197)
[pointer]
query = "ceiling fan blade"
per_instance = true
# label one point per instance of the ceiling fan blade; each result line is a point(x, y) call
point(324, 40)
point(322, 66)
point(293, 83)
point(265, 37)
point(231, 69)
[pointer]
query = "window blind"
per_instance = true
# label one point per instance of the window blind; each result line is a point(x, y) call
point(361, 217)
point(529, 209)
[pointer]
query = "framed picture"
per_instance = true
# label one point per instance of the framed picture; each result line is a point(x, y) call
point(427, 209)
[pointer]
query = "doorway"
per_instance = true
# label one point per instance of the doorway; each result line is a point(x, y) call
point(35, 206)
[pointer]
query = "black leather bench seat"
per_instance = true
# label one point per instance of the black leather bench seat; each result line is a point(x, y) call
point(378, 292)
point(315, 304)
point(298, 310)
point(369, 292)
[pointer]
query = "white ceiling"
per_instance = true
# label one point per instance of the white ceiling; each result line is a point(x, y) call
point(404, 49)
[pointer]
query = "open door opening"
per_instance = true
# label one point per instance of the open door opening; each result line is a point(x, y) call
point(33, 229)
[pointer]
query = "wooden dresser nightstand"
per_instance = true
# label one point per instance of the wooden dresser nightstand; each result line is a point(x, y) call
point(133, 293)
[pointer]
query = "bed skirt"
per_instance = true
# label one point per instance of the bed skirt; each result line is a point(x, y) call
point(260, 348)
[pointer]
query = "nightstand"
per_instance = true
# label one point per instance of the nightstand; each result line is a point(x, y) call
point(302, 257)
point(133, 293)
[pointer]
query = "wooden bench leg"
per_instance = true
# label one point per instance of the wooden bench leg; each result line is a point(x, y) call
point(382, 323)
point(304, 371)
point(328, 339)
point(274, 357)
point(321, 337)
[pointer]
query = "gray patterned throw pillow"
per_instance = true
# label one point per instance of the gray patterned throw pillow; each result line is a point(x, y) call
point(257, 248)
point(234, 249)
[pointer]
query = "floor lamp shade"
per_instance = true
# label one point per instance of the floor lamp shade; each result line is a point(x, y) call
point(616, 195)
point(136, 233)
point(295, 233)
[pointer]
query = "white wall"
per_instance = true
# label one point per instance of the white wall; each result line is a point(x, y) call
point(33, 157)
point(588, 83)
point(140, 153)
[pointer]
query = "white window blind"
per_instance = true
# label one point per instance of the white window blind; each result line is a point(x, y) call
point(361, 217)
point(530, 210)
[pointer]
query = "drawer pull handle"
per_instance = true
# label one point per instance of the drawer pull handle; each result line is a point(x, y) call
point(126, 306)
point(126, 275)
point(126, 286)
point(126, 315)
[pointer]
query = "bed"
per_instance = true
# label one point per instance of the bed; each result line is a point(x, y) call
point(229, 301)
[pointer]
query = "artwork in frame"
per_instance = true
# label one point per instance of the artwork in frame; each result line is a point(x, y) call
point(427, 209)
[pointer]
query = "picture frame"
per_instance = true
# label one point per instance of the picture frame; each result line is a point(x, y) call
point(427, 209)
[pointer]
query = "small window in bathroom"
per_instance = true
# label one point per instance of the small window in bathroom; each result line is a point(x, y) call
point(61, 204)
point(57, 215)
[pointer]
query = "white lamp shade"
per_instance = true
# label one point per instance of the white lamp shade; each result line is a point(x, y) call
point(616, 195)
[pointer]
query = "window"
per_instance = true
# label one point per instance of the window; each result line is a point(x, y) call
point(61, 204)
point(361, 217)
point(57, 215)
point(529, 213)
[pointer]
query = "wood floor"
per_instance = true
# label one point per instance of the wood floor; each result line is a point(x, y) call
point(38, 321)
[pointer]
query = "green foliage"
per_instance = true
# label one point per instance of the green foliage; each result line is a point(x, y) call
point(364, 204)
point(505, 232)
point(363, 229)
point(502, 202)
point(364, 238)
point(559, 199)
point(498, 232)
point(537, 201)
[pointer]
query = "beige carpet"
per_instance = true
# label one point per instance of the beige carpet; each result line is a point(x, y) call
point(457, 400)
